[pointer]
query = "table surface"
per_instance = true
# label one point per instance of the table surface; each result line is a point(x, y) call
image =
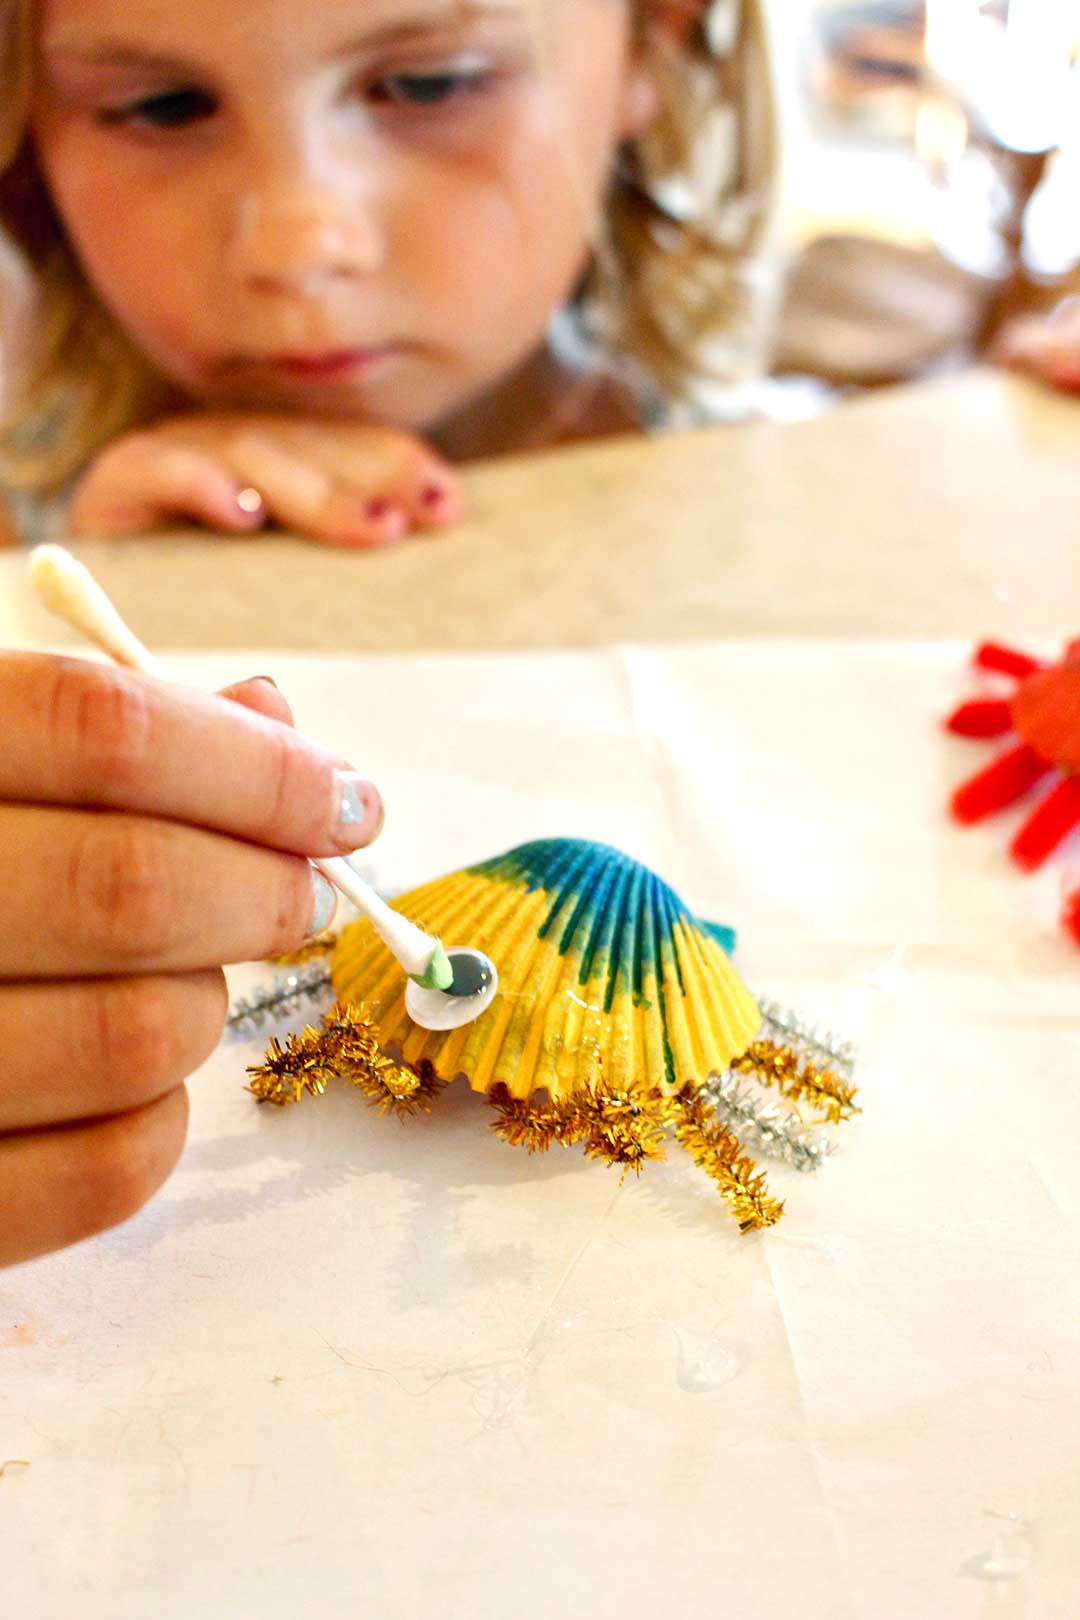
point(940, 509)
point(342, 1366)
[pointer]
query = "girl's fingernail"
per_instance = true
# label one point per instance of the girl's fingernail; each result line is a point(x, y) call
point(251, 503)
point(360, 814)
point(377, 510)
point(269, 679)
point(433, 495)
point(325, 904)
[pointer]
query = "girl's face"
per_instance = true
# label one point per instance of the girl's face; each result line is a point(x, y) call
point(356, 207)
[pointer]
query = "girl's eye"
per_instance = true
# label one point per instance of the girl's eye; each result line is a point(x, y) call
point(169, 111)
point(427, 89)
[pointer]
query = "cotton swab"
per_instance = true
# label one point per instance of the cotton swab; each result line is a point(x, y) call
point(69, 590)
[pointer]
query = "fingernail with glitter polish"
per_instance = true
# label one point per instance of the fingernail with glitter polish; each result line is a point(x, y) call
point(325, 896)
point(251, 506)
point(360, 816)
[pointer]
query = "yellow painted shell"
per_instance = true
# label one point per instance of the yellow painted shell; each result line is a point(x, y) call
point(604, 976)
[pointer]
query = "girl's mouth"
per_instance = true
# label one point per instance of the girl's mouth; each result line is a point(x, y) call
point(325, 365)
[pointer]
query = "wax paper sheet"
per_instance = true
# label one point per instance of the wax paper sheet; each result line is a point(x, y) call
point(343, 1366)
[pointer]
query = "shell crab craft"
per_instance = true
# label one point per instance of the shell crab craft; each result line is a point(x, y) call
point(1041, 716)
point(586, 979)
point(617, 1020)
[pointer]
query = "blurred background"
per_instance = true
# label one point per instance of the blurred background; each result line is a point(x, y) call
point(932, 185)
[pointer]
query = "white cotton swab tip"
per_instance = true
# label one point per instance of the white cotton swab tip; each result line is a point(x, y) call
point(421, 955)
point(69, 590)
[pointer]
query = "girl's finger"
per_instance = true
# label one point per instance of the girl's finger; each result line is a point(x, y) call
point(143, 482)
point(62, 1185)
point(436, 504)
point(91, 735)
point(115, 894)
point(92, 1047)
point(303, 496)
point(383, 466)
point(1059, 364)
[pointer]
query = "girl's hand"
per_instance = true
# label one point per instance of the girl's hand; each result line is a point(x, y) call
point(1048, 348)
point(337, 482)
point(147, 834)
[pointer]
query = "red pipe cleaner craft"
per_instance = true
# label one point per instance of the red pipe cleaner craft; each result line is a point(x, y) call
point(1042, 719)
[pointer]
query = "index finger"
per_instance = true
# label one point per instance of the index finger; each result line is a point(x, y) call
point(87, 734)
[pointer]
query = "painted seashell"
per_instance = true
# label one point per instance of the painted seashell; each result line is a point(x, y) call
point(614, 1019)
point(604, 976)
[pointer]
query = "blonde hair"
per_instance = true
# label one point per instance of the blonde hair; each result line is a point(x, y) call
point(85, 381)
point(674, 276)
point(680, 286)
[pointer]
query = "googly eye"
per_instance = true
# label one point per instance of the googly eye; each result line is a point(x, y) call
point(476, 984)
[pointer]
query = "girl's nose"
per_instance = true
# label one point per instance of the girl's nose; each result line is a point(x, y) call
point(290, 240)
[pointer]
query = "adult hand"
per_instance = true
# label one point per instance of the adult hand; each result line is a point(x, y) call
point(148, 834)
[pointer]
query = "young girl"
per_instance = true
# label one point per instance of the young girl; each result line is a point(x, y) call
point(291, 262)
point(288, 262)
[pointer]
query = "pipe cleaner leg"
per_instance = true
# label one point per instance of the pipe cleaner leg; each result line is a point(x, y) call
point(1003, 781)
point(1070, 916)
point(347, 1048)
point(1048, 825)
